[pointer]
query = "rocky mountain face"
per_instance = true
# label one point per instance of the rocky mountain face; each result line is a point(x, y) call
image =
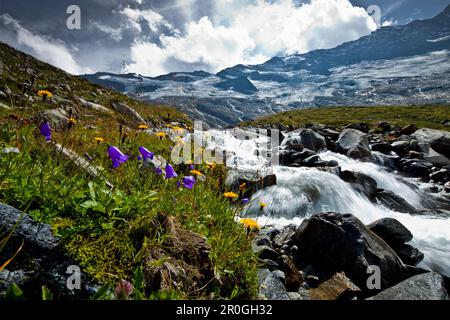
point(397, 65)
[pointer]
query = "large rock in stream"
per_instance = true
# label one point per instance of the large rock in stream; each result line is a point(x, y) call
point(354, 144)
point(334, 242)
point(439, 140)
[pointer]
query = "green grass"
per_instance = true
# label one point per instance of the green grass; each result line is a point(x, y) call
point(430, 116)
point(108, 231)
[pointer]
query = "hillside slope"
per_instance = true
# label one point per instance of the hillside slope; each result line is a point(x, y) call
point(22, 76)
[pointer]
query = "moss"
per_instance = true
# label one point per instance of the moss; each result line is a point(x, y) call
point(105, 258)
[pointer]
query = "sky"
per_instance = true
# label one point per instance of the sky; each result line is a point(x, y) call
point(154, 37)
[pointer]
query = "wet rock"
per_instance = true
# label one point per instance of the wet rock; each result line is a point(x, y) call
point(447, 187)
point(383, 147)
point(427, 286)
point(306, 138)
point(354, 144)
point(332, 243)
point(415, 155)
point(270, 286)
point(439, 140)
point(338, 287)
point(360, 182)
point(394, 202)
point(415, 167)
point(409, 255)
point(400, 147)
point(408, 130)
point(442, 175)
point(391, 231)
point(314, 161)
point(313, 140)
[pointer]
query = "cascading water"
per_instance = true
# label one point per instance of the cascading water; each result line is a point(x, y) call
point(303, 192)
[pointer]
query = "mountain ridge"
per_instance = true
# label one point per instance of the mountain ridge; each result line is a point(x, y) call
point(395, 65)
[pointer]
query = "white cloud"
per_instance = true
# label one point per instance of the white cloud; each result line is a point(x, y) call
point(202, 45)
point(44, 48)
point(115, 33)
point(152, 18)
point(249, 33)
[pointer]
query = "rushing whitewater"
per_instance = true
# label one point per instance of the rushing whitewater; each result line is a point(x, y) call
point(303, 192)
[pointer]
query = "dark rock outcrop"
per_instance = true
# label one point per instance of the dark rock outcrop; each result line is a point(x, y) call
point(332, 242)
point(394, 202)
point(360, 182)
point(391, 231)
point(41, 261)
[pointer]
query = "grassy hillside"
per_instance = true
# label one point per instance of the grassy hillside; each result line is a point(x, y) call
point(432, 116)
point(130, 222)
point(19, 70)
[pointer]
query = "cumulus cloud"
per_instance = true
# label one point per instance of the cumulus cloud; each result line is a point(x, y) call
point(44, 48)
point(247, 33)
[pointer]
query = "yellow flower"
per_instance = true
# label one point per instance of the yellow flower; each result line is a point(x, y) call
point(196, 172)
point(45, 94)
point(262, 205)
point(143, 126)
point(99, 140)
point(230, 195)
point(160, 134)
point(177, 129)
point(72, 120)
point(211, 165)
point(242, 186)
point(250, 224)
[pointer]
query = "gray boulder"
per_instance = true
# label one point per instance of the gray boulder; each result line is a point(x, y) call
point(354, 143)
point(127, 111)
point(93, 106)
point(439, 140)
point(332, 243)
point(305, 139)
point(271, 287)
point(426, 286)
